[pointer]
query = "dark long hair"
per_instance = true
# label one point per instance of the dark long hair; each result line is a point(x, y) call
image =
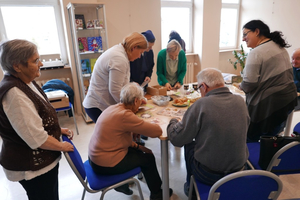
point(264, 30)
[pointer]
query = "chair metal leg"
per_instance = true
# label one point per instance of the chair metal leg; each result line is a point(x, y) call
point(193, 186)
point(74, 119)
point(140, 189)
point(250, 165)
point(287, 130)
point(83, 194)
point(102, 194)
point(122, 183)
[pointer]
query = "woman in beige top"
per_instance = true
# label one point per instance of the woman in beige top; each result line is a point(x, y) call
point(112, 149)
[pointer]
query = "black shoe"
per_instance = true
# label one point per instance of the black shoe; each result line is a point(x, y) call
point(159, 196)
point(141, 142)
point(186, 189)
point(144, 137)
point(124, 189)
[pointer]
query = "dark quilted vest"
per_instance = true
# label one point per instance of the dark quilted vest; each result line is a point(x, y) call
point(15, 154)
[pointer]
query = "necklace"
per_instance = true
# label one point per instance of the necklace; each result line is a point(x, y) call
point(264, 41)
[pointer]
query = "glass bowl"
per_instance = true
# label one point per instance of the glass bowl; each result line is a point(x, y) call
point(160, 100)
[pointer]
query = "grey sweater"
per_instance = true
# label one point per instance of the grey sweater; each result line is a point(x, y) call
point(218, 122)
point(270, 90)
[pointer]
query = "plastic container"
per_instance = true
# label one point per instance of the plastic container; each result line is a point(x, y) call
point(160, 100)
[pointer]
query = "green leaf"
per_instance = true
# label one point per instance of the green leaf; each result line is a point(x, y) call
point(240, 57)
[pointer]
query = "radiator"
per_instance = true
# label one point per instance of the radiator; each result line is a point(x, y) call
point(42, 82)
point(189, 76)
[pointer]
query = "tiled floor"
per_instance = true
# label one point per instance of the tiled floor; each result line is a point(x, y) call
point(71, 189)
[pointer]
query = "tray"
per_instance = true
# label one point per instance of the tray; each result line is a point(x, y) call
point(179, 105)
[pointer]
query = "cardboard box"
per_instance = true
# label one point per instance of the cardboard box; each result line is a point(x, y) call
point(58, 99)
point(156, 90)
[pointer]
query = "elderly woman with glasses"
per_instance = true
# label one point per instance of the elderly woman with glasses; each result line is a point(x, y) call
point(171, 66)
point(111, 148)
point(29, 127)
point(268, 80)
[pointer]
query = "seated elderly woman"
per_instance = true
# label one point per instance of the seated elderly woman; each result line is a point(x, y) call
point(112, 149)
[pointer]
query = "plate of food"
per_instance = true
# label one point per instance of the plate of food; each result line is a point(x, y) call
point(179, 105)
point(181, 102)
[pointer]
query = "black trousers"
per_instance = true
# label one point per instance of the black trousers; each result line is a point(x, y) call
point(93, 113)
point(135, 158)
point(43, 187)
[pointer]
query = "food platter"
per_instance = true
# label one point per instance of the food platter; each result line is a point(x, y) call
point(181, 102)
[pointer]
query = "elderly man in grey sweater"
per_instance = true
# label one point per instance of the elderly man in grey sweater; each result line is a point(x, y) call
point(213, 131)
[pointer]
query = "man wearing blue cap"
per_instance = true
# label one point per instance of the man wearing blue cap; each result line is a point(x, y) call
point(141, 69)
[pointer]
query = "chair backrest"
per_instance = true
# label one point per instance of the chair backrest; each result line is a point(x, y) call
point(75, 161)
point(286, 160)
point(247, 185)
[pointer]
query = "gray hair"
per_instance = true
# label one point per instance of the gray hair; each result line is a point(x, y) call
point(173, 46)
point(131, 91)
point(296, 50)
point(14, 52)
point(211, 77)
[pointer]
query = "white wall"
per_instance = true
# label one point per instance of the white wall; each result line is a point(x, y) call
point(206, 31)
point(279, 15)
point(207, 15)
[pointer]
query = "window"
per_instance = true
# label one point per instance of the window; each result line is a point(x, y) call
point(40, 24)
point(229, 24)
point(177, 15)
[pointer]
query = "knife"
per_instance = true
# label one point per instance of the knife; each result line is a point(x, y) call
point(144, 83)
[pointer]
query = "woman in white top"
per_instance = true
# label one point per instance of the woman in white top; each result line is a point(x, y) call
point(111, 73)
point(28, 124)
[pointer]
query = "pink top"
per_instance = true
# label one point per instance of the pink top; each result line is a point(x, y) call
point(113, 135)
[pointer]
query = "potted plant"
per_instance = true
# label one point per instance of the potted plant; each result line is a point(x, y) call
point(240, 57)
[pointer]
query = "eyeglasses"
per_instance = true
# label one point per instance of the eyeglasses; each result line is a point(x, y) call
point(245, 34)
point(37, 61)
point(202, 84)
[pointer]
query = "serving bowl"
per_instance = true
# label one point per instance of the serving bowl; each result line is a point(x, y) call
point(161, 100)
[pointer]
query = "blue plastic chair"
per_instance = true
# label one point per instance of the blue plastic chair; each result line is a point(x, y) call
point(93, 182)
point(70, 107)
point(245, 185)
point(285, 161)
